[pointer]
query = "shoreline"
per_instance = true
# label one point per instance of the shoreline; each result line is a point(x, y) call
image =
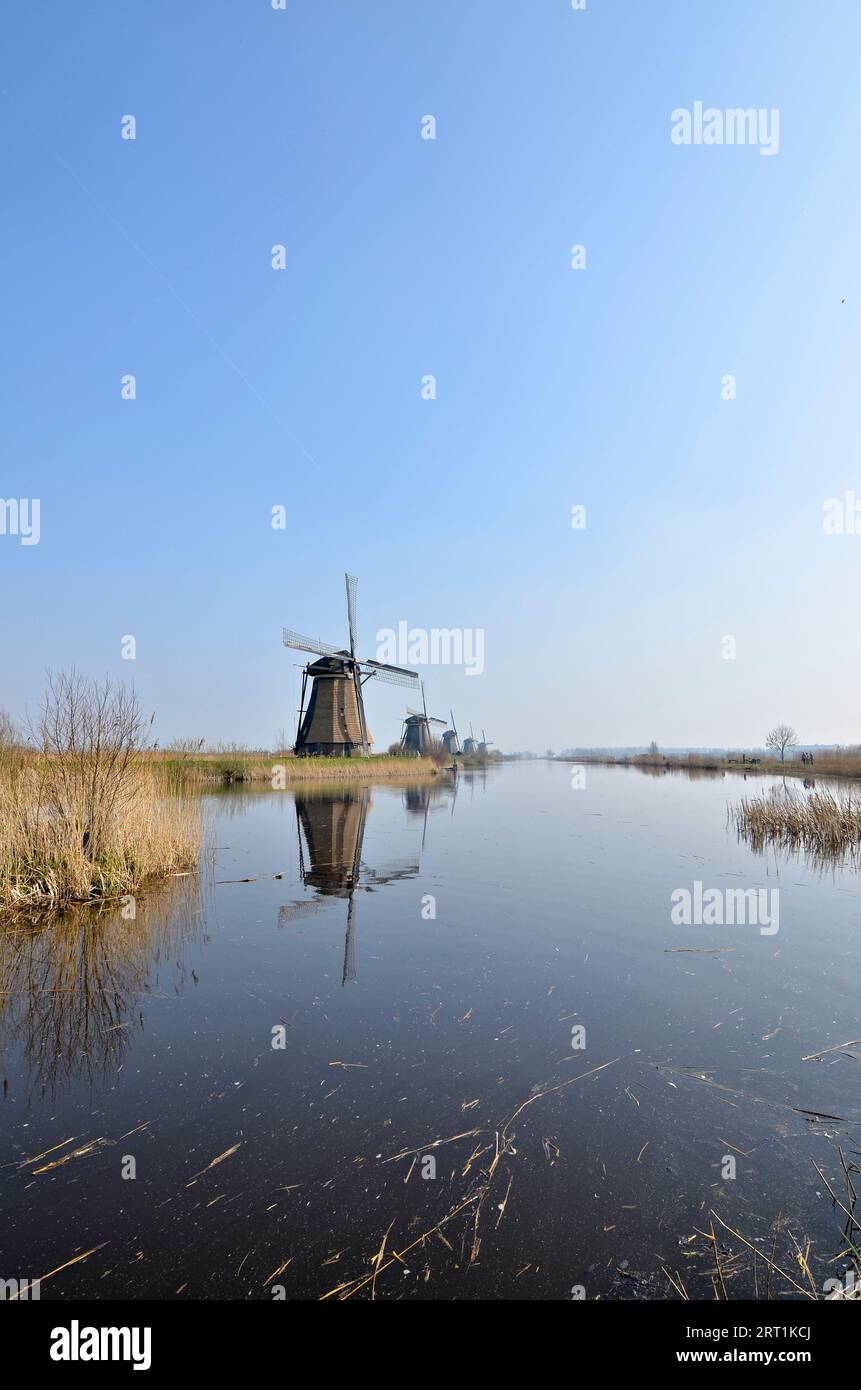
point(850, 771)
point(281, 771)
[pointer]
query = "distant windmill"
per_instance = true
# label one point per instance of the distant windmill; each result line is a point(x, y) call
point(470, 745)
point(484, 745)
point(417, 736)
point(334, 722)
point(450, 738)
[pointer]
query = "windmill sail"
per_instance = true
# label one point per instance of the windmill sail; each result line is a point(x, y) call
point(451, 743)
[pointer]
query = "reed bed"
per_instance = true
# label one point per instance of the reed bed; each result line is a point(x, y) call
point(81, 815)
point(54, 850)
point(820, 823)
point(280, 770)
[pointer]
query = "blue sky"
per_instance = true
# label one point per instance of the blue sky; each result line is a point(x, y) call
point(405, 256)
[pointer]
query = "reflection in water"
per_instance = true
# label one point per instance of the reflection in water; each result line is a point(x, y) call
point(420, 799)
point(334, 830)
point(70, 982)
point(555, 909)
point(692, 773)
point(331, 831)
point(821, 829)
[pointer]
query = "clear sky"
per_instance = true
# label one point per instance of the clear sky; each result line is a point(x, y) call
point(405, 256)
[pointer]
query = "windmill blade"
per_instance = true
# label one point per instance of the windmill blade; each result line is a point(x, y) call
point(307, 644)
point(360, 704)
point(431, 720)
point(393, 871)
point(349, 971)
point(416, 713)
point(390, 675)
point(351, 581)
point(291, 912)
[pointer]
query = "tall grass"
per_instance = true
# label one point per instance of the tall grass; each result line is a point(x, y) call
point(821, 823)
point(49, 856)
point(83, 817)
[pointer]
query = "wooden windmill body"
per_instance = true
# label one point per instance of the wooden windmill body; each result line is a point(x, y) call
point(470, 745)
point(333, 723)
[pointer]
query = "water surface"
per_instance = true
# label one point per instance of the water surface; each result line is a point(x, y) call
point(427, 952)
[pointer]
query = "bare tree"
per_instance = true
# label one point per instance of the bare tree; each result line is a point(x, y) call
point(91, 735)
point(782, 736)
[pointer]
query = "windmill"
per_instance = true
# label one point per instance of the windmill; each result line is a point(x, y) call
point(484, 745)
point(470, 745)
point(450, 738)
point(334, 723)
point(417, 736)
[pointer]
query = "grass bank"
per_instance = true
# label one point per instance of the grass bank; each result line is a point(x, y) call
point(280, 770)
point(836, 764)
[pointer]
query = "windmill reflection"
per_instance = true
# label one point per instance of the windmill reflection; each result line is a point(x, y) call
point(71, 982)
point(424, 797)
point(331, 832)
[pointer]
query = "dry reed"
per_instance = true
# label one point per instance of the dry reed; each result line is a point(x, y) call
point(820, 823)
point(50, 856)
point(280, 771)
point(82, 817)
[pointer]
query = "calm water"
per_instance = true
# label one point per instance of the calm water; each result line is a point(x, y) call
point(152, 1040)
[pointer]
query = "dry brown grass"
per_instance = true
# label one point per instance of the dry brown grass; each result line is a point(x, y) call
point(820, 823)
point(837, 762)
point(81, 816)
point(222, 770)
point(48, 856)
